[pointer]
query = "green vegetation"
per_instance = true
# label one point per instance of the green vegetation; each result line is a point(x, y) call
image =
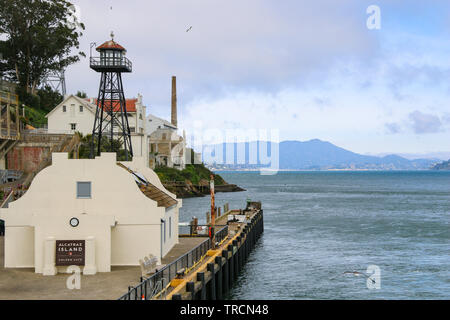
point(193, 172)
point(34, 117)
point(81, 94)
point(41, 37)
point(85, 147)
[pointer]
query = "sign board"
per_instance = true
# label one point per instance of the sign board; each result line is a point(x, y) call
point(70, 253)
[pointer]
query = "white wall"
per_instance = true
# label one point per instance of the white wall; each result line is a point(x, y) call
point(124, 222)
point(60, 121)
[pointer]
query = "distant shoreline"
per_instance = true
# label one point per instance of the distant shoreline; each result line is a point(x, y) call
point(329, 170)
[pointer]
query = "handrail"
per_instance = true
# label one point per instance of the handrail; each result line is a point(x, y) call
point(143, 289)
point(7, 198)
point(7, 97)
point(111, 62)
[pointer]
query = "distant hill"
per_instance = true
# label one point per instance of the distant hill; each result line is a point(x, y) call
point(309, 155)
point(442, 166)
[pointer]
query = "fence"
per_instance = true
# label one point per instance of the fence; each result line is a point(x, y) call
point(9, 175)
point(149, 287)
point(186, 230)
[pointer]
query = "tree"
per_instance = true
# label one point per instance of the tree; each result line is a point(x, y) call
point(81, 94)
point(49, 98)
point(39, 39)
point(85, 147)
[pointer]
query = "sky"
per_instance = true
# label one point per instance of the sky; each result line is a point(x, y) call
point(305, 69)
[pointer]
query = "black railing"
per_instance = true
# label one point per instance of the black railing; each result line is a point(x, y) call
point(111, 62)
point(221, 234)
point(201, 230)
point(151, 286)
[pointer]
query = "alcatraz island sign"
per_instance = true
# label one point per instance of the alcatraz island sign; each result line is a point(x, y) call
point(70, 252)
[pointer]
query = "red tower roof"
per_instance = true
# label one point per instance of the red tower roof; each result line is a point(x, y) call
point(111, 44)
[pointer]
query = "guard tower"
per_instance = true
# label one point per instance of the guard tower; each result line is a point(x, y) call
point(111, 118)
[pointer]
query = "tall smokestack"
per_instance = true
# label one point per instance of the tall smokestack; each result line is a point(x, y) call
point(174, 101)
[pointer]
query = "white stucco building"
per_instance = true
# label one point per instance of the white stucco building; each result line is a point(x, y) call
point(166, 147)
point(119, 211)
point(77, 114)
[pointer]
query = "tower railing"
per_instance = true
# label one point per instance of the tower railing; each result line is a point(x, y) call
point(102, 63)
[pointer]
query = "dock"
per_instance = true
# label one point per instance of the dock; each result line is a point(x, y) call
point(206, 273)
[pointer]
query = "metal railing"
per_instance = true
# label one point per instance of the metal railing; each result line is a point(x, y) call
point(148, 287)
point(221, 234)
point(111, 62)
point(9, 175)
point(9, 98)
point(202, 230)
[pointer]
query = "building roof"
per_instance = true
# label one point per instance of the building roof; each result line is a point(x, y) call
point(151, 191)
point(82, 101)
point(165, 123)
point(130, 105)
point(111, 44)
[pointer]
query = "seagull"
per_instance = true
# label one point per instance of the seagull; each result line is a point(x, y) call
point(357, 274)
point(189, 29)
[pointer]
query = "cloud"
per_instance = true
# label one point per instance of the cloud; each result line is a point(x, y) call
point(446, 118)
point(257, 45)
point(392, 128)
point(408, 76)
point(423, 123)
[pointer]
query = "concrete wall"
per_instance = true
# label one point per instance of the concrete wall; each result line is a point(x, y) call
point(26, 159)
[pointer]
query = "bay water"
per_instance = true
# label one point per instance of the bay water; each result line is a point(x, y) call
point(323, 230)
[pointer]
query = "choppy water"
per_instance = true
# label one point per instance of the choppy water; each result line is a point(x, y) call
point(319, 225)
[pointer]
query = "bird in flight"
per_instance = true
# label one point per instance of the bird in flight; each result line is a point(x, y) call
point(189, 29)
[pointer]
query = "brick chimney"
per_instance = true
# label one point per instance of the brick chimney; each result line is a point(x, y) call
point(174, 101)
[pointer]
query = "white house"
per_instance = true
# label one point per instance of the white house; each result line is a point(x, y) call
point(166, 147)
point(77, 114)
point(95, 213)
point(154, 123)
point(71, 115)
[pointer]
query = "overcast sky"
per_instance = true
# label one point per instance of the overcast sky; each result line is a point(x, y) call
point(311, 69)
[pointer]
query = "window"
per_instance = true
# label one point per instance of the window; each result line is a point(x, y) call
point(164, 231)
point(83, 190)
point(81, 108)
point(132, 129)
point(73, 126)
point(64, 109)
point(140, 116)
point(170, 227)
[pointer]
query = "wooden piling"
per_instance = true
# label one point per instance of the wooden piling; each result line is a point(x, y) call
point(219, 289)
point(226, 271)
point(190, 287)
point(231, 263)
point(201, 278)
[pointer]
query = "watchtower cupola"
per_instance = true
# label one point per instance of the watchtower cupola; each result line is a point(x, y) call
point(112, 58)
